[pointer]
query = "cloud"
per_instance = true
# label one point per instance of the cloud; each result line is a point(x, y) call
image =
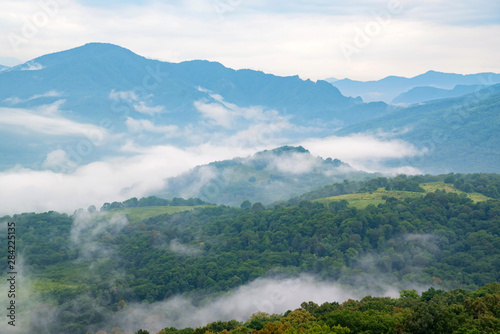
point(217, 113)
point(136, 101)
point(296, 163)
point(16, 100)
point(88, 226)
point(248, 120)
point(184, 250)
point(139, 172)
point(128, 96)
point(12, 119)
point(135, 170)
point(264, 294)
point(363, 151)
point(144, 109)
point(31, 66)
point(139, 125)
point(58, 158)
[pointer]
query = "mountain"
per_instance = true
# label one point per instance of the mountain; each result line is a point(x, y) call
point(87, 75)
point(427, 93)
point(267, 177)
point(153, 102)
point(457, 134)
point(3, 68)
point(331, 80)
point(387, 89)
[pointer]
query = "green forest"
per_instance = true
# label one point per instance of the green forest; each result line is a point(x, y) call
point(93, 264)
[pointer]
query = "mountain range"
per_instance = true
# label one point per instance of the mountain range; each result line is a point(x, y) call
point(119, 91)
point(90, 101)
point(454, 135)
point(87, 76)
point(428, 93)
point(390, 88)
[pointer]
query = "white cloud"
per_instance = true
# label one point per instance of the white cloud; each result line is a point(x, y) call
point(143, 108)
point(31, 66)
point(264, 294)
point(137, 171)
point(139, 103)
point(184, 250)
point(128, 96)
point(296, 163)
point(139, 125)
point(363, 151)
point(16, 100)
point(216, 112)
point(229, 115)
point(56, 159)
point(14, 118)
point(114, 179)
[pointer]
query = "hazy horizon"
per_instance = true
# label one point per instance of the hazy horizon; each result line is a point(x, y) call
point(361, 41)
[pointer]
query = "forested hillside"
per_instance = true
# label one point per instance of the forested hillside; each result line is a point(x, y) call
point(107, 261)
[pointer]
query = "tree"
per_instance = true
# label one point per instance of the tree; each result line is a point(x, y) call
point(258, 207)
point(246, 204)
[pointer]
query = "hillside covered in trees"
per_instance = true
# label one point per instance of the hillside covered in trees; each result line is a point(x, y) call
point(88, 267)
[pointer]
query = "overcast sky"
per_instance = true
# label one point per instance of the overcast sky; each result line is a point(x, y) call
point(315, 39)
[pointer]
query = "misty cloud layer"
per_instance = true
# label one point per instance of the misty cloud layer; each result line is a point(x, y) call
point(264, 294)
point(134, 167)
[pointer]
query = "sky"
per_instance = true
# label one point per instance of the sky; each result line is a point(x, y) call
point(316, 39)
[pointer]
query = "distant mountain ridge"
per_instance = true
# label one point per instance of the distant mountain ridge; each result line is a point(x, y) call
point(156, 102)
point(86, 75)
point(149, 102)
point(388, 88)
point(426, 93)
point(454, 135)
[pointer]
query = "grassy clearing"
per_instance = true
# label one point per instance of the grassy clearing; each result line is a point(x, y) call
point(362, 200)
point(137, 214)
point(433, 186)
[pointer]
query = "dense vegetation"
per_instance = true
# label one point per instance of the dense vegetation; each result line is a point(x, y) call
point(152, 201)
point(92, 265)
point(482, 183)
point(435, 311)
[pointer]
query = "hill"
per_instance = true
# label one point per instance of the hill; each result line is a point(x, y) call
point(387, 89)
point(379, 196)
point(266, 177)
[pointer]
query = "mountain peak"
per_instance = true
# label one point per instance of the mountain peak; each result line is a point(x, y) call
point(284, 150)
point(85, 52)
point(102, 47)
